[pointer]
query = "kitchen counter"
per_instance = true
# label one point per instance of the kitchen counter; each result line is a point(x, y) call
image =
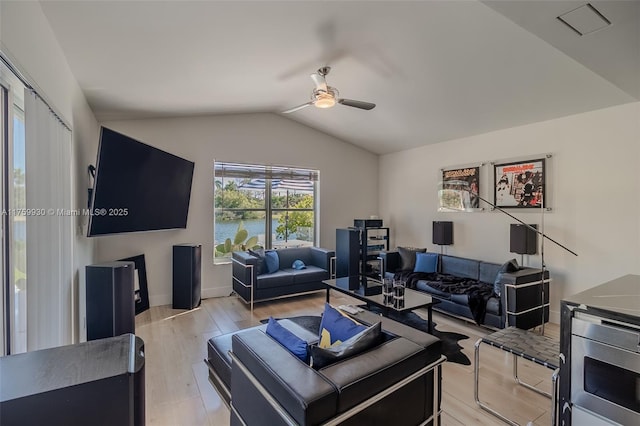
point(617, 300)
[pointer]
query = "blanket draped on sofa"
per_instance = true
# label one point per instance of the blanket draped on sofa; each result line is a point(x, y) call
point(477, 293)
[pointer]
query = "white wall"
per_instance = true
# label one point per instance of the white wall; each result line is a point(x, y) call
point(594, 190)
point(27, 39)
point(348, 185)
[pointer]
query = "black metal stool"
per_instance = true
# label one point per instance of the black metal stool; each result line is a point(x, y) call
point(528, 345)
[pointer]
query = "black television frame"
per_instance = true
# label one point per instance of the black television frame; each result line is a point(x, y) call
point(98, 211)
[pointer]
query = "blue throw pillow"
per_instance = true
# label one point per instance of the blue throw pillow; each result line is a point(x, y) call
point(293, 343)
point(336, 328)
point(298, 264)
point(271, 261)
point(426, 262)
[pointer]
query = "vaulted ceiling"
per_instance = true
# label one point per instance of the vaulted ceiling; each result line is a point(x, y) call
point(437, 70)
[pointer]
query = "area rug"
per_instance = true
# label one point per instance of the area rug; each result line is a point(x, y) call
point(450, 347)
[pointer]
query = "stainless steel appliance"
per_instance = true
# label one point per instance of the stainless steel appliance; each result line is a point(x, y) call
point(605, 369)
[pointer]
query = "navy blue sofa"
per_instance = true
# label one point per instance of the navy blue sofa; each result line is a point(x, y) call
point(514, 298)
point(253, 286)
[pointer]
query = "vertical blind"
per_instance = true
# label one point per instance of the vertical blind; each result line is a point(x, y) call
point(49, 230)
point(252, 171)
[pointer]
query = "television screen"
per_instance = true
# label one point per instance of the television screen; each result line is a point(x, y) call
point(138, 187)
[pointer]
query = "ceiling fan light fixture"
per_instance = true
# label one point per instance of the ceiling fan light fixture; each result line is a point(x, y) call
point(324, 100)
point(324, 96)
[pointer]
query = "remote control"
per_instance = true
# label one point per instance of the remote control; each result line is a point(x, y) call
point(349, 309)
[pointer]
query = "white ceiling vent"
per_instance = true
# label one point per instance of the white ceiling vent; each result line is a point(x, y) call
point(585, 19)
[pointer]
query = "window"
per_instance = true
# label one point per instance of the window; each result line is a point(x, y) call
point(13, 200)
point(265, 206)
point(35, 184)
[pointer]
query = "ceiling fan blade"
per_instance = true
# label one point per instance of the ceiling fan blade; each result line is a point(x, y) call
point(294, 109)
point(357, 104)
point(321, 83)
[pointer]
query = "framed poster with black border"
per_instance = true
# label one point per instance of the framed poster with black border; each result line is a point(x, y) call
point(460, 189)
point(141, 292)
point(520, 184)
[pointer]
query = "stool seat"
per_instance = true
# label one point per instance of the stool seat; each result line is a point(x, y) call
point(521, 344)
point(526, 344)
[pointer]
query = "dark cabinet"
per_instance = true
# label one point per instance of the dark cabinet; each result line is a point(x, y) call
point(187, 267)
point(99, 383)
point(358, 249)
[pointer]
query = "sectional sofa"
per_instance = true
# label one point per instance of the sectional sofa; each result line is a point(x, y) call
point(505, 294)
point(396, 382)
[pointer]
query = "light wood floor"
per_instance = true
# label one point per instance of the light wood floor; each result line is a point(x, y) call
point(179, 393)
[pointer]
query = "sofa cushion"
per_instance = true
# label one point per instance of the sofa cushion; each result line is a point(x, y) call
point(307, 396)
point(309, 274)
point(508, 266)
point(277, 279)
point(408, 257)
point(218, 347)
point(423, 285)
point(218, 354)
point(368, 338)
point(460, 267)
point(460, 299)
point(286, 338)
point(289, 255)
point(426, 262)
point(271, 261)
point(493, 306)
point(488, 272)
point(369, 373)
point(335, 327)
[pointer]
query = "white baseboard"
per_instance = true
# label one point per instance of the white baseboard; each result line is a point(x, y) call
point(554, 317)
point(166, 299)
point(216, 292)
point(160, 300)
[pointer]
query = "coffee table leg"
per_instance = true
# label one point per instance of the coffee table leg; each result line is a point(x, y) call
point(327, 294)
point(430, 319)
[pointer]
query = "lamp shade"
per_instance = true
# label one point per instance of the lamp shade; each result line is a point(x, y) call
point(523, 240)
point(443, 233)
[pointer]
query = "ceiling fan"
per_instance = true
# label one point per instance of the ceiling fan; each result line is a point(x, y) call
point(324, 96)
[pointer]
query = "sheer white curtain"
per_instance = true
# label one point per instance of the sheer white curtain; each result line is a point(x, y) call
point(49, 227)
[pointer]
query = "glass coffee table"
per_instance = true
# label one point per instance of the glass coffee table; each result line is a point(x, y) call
point(369, 290)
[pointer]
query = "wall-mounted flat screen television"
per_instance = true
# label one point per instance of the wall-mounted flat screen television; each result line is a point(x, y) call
point(138, 187)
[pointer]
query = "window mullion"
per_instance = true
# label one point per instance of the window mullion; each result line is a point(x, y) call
point(269, 212)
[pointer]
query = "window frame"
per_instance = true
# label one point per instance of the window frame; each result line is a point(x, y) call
point(269, 174)
point(12, 107)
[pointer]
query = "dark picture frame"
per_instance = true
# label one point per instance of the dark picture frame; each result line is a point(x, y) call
point(460, 189)
point(141, 292)
point(520, 184)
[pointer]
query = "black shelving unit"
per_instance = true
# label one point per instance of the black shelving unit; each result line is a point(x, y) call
point(373, 240)
point(357, 251)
